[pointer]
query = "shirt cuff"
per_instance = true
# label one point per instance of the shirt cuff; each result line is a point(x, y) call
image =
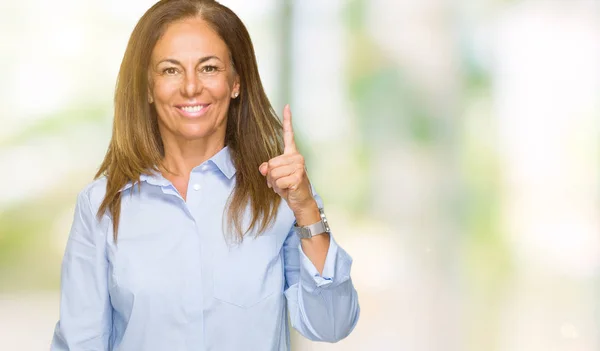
point(336, 269)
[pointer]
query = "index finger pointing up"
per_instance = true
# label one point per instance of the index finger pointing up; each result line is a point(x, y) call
point(289, 145)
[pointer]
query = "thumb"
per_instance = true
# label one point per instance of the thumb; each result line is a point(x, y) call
point(264, 167)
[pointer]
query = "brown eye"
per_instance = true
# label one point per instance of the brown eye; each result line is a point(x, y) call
point(170, 71)
point(209, 69)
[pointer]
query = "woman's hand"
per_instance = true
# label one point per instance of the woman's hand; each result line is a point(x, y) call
point(286, 175)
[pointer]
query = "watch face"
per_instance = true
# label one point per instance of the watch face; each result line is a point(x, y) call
point(314, 229)
point(302, 232)
point(305, 232)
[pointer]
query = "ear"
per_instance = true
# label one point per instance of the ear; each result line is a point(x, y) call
point(235, 89)
point(150, 98)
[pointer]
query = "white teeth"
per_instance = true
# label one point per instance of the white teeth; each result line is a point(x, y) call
point(196, 108)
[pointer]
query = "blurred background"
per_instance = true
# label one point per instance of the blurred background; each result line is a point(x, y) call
point(455, 144)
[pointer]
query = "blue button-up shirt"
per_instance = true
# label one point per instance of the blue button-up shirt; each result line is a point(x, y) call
point(175, 282)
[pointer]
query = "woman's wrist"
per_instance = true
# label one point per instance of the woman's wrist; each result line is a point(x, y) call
point(307, 214)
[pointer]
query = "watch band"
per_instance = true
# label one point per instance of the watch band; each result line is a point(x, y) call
point(308, 231)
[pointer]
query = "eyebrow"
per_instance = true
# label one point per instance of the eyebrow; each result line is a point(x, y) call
point(200, 61)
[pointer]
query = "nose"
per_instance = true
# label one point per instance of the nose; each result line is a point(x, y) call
point(191, 85)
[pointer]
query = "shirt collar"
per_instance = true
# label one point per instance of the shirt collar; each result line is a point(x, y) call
point(221, 159)
point(224, 163)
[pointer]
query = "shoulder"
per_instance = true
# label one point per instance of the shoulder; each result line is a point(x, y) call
point(93, 193)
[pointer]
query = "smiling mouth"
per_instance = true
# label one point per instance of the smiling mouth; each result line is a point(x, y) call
point(192, 110)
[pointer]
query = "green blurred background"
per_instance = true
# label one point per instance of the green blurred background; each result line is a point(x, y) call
point(455, 145)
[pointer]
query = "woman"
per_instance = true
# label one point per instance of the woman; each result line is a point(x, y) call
point(183, 241)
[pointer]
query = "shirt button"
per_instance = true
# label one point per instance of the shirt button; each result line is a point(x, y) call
point(204, 167)
point(196, 187)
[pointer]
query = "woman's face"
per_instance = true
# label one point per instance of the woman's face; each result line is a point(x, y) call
point(191, 82)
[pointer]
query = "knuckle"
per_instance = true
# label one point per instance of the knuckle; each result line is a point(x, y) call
point(276, 174)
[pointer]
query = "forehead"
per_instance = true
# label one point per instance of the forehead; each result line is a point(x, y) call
point(190, 38)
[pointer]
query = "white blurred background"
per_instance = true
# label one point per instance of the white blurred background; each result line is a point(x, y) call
point(455, 145)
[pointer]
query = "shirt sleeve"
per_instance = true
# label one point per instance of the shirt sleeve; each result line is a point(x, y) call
point(322, 307)
point(85, 311)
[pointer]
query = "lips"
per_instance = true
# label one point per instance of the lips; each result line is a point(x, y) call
point(192, 110)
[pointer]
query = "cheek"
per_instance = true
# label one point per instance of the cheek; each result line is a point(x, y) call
point(219, 88)
point(163, 90)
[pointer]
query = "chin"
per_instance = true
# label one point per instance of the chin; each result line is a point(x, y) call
point(194, 136)
point(197, 133)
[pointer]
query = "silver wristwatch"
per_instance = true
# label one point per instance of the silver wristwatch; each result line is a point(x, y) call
point(308, 231)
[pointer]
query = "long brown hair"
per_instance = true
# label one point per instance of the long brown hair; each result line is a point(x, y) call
point(253, 132)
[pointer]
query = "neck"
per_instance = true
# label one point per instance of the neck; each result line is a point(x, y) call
point(182, 156)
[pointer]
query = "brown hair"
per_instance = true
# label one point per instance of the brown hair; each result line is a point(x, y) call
point(253, 132)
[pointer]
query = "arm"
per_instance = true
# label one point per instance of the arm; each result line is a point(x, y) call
point(85, 311)
point(322, 301)
point(323, 306)
point(314, 248)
